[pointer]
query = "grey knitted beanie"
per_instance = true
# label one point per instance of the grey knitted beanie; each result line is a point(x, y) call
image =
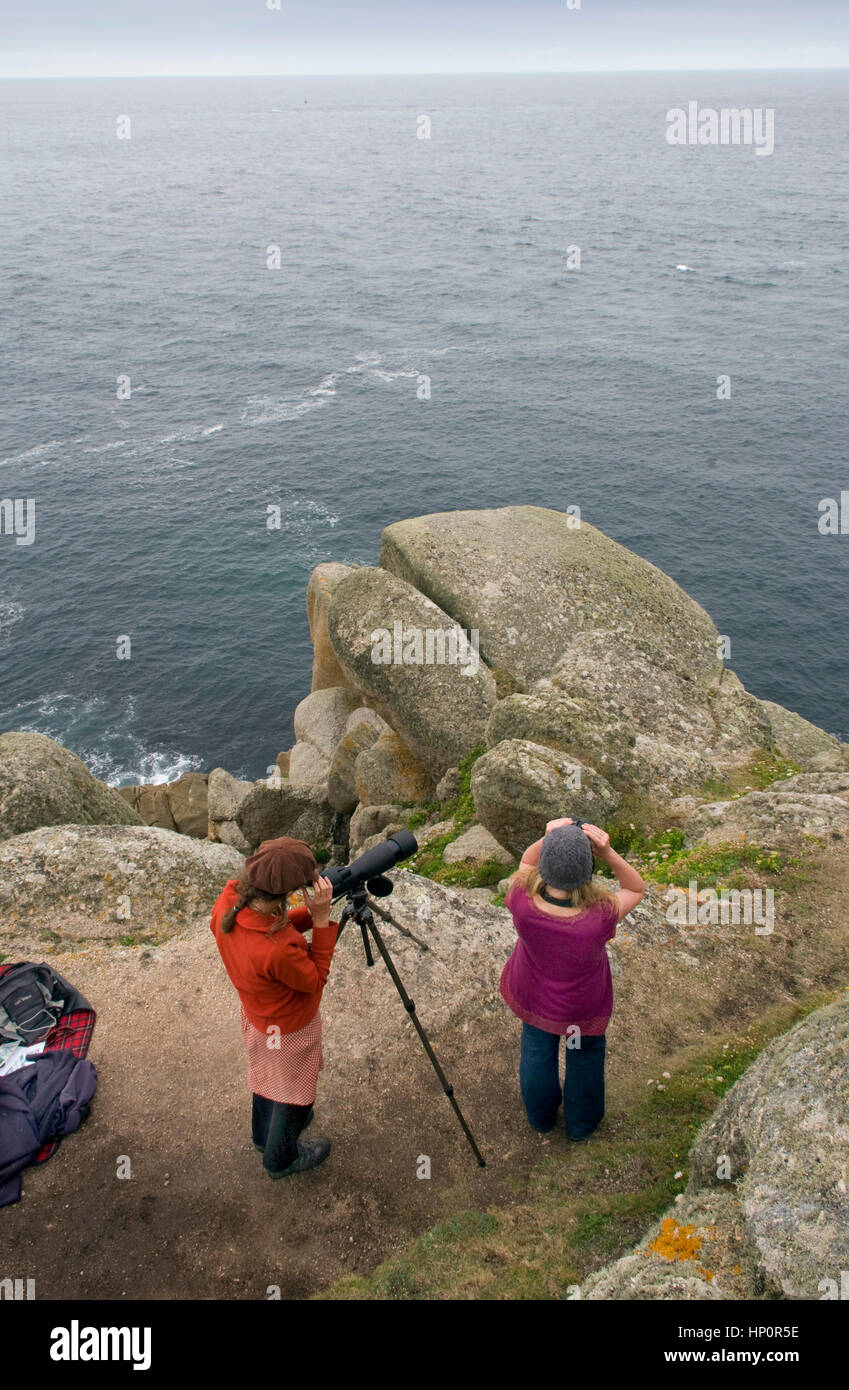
point(566, 857)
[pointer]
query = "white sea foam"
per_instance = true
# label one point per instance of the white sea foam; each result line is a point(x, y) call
point(116, 755)
point(266, 410)
point(11, 614)
point(391, 376)
point(105, 448)
point(189, 435)
point(36, 452)
point(154, 768)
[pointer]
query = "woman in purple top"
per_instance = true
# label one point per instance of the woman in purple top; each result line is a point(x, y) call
point(558, 978)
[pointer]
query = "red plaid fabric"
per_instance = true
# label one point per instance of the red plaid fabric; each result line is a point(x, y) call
point(73, 1033)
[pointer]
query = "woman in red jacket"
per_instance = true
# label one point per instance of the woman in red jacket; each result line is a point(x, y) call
point(279, 978)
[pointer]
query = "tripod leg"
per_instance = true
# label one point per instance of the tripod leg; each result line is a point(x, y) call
point(411, 1010)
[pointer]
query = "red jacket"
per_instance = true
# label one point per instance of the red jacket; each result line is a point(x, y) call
point(279, 979)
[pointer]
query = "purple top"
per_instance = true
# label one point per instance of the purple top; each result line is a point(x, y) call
point(558, 976)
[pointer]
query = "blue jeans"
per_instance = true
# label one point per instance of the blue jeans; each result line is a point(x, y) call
point(583, 1089)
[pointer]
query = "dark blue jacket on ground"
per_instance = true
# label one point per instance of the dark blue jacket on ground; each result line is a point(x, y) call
point(45, 1100)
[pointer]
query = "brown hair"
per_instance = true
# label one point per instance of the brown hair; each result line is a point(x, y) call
point(588, 893)
point(246, 894)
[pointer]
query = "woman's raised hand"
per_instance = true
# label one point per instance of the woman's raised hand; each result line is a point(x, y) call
point(600, 839)
point(553, 824)
point(318, 899)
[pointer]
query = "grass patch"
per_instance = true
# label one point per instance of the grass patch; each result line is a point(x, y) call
point(460, 810)
point(582, 1208)
point(728, 864)
point(764, 768)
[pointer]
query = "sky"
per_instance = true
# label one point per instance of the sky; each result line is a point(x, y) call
point(101, 38)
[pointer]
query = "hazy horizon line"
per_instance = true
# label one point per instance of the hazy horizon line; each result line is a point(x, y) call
point(407, 72)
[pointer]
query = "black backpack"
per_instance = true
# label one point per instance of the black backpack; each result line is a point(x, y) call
point(32, 998)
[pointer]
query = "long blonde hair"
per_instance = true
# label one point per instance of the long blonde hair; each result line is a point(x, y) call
point(583, 897)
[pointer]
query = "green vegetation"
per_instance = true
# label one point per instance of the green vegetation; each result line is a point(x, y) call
point(459, 809)
point(726, 863)
point(766, 767)
point(584, 1207)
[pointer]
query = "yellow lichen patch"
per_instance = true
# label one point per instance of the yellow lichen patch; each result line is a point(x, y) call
point(676, 1242)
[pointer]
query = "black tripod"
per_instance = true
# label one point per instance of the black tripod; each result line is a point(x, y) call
point(358, 909)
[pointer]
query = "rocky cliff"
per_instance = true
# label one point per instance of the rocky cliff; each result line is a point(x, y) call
point(495, 669)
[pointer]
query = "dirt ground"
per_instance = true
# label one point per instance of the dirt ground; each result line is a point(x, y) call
point(199, 1219)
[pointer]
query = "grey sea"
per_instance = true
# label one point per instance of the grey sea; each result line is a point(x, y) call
point(425, 343)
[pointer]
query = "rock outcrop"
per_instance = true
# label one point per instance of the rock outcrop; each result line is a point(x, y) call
point(326, 670)
point(784, 815)
point(765, 1213)
point(387, 772)
point(362, 730)
point(519, 786)
point(41, 783)
point(242, 814)
point(529, 579)
point(180, 805)
point(320, 722)
point(438, 706)
point(476, 846)
point(87, 882)
point(804, 743)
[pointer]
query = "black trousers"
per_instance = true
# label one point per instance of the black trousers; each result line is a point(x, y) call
point(275, 1128)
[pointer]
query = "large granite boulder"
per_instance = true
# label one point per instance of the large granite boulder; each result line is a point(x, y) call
point(243, 814)
point(75, 882)
point(579, 727)
point(806, 744)
point(784, 1129)
point(530, 578)
point(308, 767)
point(388, 772)
point(476, 846)
point(363, 729)
point(320, 721)
point(42, 783)
point(765, 1212)
point(180, 805)
point(326, 670)
point(438, 705)
point(685, 730)
point(519, 786)
point(772, 818)
point(150, 801)
point(321, 718)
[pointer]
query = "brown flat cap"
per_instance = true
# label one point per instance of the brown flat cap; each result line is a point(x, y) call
point(281, 866)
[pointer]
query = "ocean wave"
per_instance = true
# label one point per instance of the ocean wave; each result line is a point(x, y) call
point(11, 614)
point(189, 435)
point(36, 452)
point(105, 448)
point(264, 410)
point(100, 735)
